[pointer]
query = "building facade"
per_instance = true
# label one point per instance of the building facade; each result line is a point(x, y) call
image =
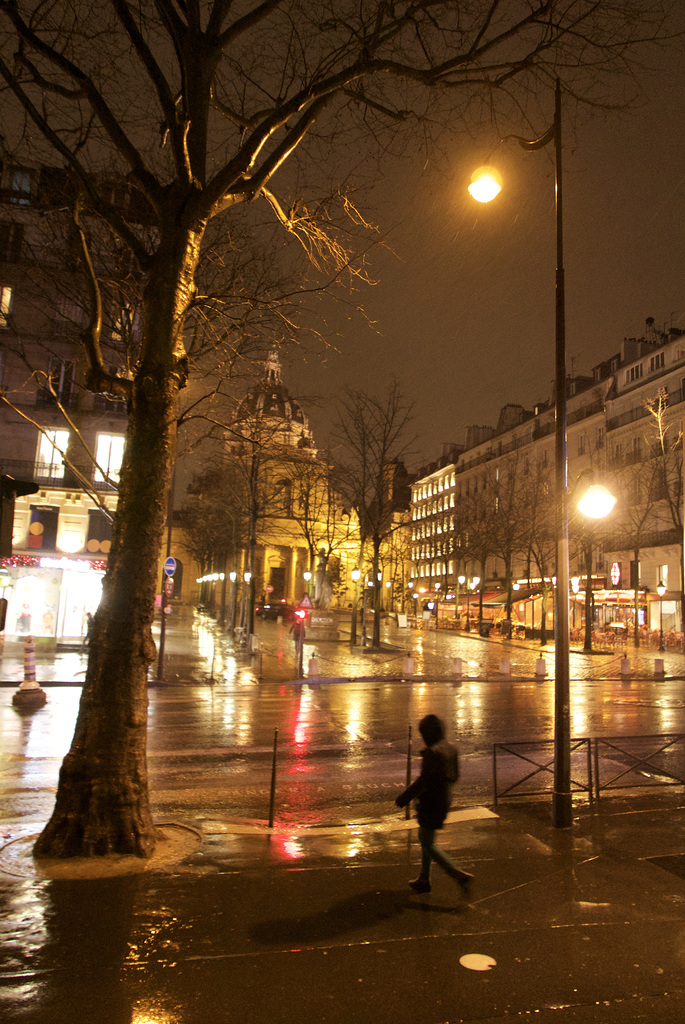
point(483, 512)
point(53, 431)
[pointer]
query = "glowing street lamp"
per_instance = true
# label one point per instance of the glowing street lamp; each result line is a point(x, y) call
point(597, 502)
point(562, 805)
point(486, 184)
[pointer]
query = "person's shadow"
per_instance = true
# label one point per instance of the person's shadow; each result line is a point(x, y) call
point(354, 913)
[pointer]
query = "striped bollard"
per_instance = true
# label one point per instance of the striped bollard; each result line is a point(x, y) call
point(29, 696)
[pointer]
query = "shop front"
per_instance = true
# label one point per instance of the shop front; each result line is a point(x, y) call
point(50, 597)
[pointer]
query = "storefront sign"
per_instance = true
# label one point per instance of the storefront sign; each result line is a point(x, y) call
point(616, 573)
point(73, 564)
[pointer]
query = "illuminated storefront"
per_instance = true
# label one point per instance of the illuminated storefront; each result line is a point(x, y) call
point(50, 596)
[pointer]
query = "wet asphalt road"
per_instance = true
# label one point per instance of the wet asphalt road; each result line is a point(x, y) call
point(342, 746)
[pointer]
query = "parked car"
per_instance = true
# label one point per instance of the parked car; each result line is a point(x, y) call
point(274, 609)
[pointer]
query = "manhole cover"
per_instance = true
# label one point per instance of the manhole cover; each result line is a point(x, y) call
point(477, 962)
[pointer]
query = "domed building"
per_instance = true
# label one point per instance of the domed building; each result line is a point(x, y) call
point(269, 414)
point(273, 450)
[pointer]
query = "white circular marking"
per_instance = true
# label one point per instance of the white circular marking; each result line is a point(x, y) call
point(477, 962)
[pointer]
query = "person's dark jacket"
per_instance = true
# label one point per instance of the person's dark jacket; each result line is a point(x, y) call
point(439, 770)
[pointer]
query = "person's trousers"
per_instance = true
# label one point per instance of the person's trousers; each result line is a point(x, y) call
point(430, 852)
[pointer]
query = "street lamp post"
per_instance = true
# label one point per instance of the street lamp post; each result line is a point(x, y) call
point(461, 580)
point(355, 574)
point(661, 590)
point(562, 808)
point(367, 585)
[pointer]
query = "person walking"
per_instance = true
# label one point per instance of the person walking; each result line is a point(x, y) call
point(432, 791)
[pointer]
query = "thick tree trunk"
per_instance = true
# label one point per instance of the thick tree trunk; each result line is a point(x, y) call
point(102, 803)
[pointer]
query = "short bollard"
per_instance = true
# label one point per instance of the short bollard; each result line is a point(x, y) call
point(540, 668)
point(407, 809)
point(457, 667)
point(313, 670)
point(29, 660)
point(29, 695)
point(625, 666)
point(408, 666)
point(659, 669)
point(504, 667)
point(272, 798)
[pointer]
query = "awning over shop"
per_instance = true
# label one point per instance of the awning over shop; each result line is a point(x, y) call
point(498, 598)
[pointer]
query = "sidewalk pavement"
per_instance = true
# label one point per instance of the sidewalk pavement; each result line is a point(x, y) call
point(319, 926)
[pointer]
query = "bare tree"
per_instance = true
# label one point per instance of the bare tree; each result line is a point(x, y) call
point(638, 514)
point(372, 433)
point(508, 517)
point(214, 523)
point(540, 534)
point(204, 107)
point(318, 510)
point(667, 446)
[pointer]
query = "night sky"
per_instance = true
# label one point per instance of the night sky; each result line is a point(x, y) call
point(464, 309)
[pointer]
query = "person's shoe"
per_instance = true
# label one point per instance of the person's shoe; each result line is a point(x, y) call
point(420, 885)
point(465, 883)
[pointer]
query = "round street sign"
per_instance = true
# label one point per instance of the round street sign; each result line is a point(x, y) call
point(169, 587)
point(170, 566)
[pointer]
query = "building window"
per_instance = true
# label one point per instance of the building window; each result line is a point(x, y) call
point(58, 384)
point(11, 237)
point(658, 490)
point(17, 182)
point(5, 305)
point(50, 459)
point(284, 496)
point(43, 527)
point(601, 433)
point(122, 329)
point(657, 361)
point(99, 532)
point(581, 444)
point(109, 453)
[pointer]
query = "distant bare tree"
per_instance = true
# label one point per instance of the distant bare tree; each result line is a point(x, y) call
point(372, 434)
point(666, 439)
